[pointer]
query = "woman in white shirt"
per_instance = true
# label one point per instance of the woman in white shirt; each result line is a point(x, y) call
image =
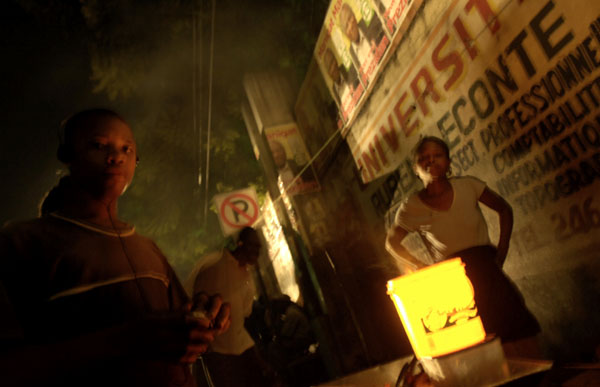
point(447, 215)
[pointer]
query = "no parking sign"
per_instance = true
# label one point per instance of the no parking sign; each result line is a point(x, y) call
point(237, 209)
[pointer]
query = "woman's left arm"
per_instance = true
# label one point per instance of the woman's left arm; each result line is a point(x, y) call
point(505, 213)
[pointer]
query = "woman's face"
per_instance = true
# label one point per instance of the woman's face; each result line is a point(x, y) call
point(104, 157)
point(432, 162)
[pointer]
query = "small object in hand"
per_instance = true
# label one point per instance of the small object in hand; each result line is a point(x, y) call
point(201, 314)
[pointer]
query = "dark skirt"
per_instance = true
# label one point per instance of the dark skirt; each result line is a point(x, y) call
point(499, 301)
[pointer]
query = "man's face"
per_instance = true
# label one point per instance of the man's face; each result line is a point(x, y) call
point(349, 24)
point(248, 250)
point(278, 152)
point(104, 157)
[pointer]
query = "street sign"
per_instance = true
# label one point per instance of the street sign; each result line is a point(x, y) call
point(237, 209)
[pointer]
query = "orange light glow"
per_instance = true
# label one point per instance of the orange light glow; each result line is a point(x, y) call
point(437, 308)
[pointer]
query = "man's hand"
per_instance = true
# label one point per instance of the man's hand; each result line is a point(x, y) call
point(215, 310)
point(200, 335)
point(176, 336)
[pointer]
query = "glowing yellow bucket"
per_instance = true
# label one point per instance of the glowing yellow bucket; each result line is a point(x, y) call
point(437, 308)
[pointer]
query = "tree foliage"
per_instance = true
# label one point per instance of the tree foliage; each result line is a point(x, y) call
point(151, 60)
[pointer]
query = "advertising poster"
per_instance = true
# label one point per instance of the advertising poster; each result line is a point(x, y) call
point(514, 88)
point(291, 158)
point(393, 13)
point(364, 36)
point(485, 90)
point(349, 51)
point(339, 71)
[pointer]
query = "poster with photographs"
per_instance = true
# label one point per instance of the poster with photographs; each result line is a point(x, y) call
point(296, 175)
point(364, 36)
point(393, 13)
point(349, 51)
point(340, 74)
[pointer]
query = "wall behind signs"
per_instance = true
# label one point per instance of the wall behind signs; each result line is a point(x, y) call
point(514, 87)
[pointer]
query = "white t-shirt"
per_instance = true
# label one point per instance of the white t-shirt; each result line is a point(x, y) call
point(446, 232)
point(219, 272)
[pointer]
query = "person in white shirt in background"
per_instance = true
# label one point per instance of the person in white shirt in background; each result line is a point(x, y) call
point(232, 359)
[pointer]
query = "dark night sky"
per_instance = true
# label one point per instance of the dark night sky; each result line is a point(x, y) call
point(46, 77)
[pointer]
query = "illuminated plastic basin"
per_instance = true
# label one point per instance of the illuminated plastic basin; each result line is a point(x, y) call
point(437, 308)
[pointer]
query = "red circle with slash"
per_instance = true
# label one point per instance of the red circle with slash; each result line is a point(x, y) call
point(238, 213)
